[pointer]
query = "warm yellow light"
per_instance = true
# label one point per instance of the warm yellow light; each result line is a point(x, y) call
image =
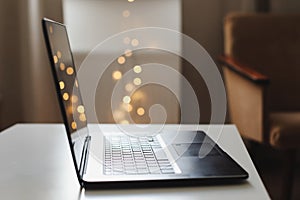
point(121, 60)
point(135, 42)
point(130, 1)
point(140, 111)
point(74, 99)
point(58, 53)
point(126, 99)
point(137, 81)
point(128, 53)
point(66, 96)
point(80, 109)
point(127, 107)
point(61, 85)
point(118, 114)
point(55, 59)
point(117, 75)
point(74, 125)
point(126, 40)
point(62, 66)
point(70, 70)
point(70, 110)
point(138, 95)
point(129, 87)
point(82, 117)
point(76, 83)
point(126, 13)
point(124, 122)
point(51, 29)
point(137, 69)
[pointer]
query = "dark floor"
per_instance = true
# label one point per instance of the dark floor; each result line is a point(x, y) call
point(269, 164)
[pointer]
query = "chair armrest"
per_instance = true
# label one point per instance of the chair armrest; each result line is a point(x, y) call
point(243, 70)
point(246, 94)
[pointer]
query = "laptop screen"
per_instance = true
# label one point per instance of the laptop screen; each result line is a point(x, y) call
point(67, 86)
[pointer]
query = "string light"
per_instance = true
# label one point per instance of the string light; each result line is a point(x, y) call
point(70, 70)
point(127, 107)
point(118, 114)
point(137, 81)
point(126, 99)
point(80, 109)
point(124, 122)
point(74, 125)
point(58, 54)
point(121, 60)
point(70, 110)
point(117, 75)
point(126, 13)
point(74, 99)
point(128, 53)
point(140, 111)
point(135, 42)
point(66, 96)
point(138, 95)
point(55, 59)
point(129, 87)
point(137, 69)
point(61, 85)
point(130, 1)
point(82, 117)
point(62, 66)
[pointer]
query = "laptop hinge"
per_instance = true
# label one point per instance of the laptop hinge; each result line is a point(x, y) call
point(84, 156)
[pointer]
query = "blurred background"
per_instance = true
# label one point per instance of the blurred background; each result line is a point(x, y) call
point(27, 93)
point(26, 90)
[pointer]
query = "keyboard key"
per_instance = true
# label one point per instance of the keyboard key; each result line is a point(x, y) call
point(134, 155)
point(167, 171)
point(160, 155)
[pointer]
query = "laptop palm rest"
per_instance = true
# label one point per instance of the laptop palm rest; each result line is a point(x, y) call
point(203, 157)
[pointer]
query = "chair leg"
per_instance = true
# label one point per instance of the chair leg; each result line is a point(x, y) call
point(288, 174)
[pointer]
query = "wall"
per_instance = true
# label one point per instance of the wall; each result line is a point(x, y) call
point(285, 6)
point(39, 101)
point(10, 102)
point(91, 22)
point(26, 84)
point(202, 20)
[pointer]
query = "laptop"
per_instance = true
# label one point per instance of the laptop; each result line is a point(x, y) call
point(116, 160)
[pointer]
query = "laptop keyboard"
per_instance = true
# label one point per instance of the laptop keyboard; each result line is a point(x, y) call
point(135, 155)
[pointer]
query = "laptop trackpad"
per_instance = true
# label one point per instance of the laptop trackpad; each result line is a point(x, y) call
point(196, 150)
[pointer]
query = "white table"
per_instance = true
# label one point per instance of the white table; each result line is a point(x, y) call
point(36, 164)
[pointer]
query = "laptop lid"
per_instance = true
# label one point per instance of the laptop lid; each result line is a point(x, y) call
point(68, 93)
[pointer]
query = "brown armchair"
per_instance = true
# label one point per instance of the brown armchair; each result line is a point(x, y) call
point(261, 66)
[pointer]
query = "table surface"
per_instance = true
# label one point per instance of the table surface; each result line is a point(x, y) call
point(36, 163)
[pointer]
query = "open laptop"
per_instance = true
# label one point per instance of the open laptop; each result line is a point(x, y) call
point(116, 160)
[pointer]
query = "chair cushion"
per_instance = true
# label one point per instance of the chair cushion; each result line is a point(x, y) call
point(285, 130)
